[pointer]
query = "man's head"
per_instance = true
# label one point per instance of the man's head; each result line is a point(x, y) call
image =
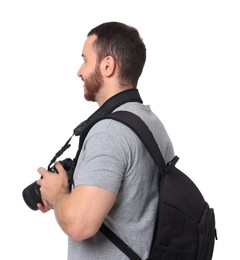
point(115, 54)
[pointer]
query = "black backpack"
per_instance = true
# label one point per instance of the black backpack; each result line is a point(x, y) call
point(185, 225)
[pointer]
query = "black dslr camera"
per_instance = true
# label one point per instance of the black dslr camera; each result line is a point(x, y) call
point(31, 194)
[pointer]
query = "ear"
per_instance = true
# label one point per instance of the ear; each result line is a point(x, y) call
point(108, 66)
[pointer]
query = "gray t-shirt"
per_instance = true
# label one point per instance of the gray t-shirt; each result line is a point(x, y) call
point(114, 158)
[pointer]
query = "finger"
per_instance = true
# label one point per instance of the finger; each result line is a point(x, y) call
point(59, 168)
point(42, 208)
point(42, 171)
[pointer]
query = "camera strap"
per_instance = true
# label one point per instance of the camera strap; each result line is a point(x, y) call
point(129, 95)
point(60, 152)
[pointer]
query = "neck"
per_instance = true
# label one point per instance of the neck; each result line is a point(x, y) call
point(103, 96)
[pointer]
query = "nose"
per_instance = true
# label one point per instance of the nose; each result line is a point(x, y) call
point(79, 73)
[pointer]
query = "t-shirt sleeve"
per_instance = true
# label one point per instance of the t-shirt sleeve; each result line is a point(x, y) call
point(103, 159)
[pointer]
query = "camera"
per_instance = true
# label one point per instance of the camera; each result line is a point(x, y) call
point(32, 195)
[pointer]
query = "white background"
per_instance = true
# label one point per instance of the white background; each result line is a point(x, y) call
point(191, 81)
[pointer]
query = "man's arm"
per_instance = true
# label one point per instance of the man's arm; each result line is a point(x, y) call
point(80, 213)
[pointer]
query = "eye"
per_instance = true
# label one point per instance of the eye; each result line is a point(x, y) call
point(84, 58)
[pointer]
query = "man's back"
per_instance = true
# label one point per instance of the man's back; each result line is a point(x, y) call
point(113, 158)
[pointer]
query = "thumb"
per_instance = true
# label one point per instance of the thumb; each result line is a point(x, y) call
point(42, 170)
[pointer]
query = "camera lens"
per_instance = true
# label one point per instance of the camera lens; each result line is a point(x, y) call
point(31, 195)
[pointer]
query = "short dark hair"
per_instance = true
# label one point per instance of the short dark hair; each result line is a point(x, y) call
point(125, 45)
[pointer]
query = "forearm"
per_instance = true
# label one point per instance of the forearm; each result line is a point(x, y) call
point(61, 207)
point(72, 216)
point(81, 212)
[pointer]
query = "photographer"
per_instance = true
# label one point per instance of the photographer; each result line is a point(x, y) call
point(115, 179)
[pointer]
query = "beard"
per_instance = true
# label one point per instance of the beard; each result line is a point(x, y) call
point(93, 84)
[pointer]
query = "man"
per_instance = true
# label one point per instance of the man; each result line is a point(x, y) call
point(115, 177)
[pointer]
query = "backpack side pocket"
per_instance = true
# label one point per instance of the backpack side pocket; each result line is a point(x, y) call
point(207, 234)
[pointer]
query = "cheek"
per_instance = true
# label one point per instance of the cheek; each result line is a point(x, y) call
point(85, 69)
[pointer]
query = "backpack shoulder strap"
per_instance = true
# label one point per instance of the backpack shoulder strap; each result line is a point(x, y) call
point(143, 132)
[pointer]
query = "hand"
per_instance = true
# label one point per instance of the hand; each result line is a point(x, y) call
point(51, 185)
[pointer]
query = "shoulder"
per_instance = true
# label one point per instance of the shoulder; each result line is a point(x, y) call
point(111, 132)
point(110, 129)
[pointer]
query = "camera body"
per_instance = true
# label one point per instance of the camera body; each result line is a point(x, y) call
point(32, 195)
